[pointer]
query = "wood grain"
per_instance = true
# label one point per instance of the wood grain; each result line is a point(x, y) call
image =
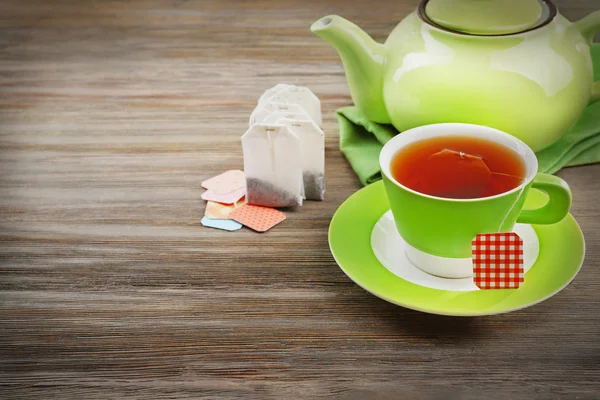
point(111, 114)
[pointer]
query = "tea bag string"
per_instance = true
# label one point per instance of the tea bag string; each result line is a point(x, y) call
point(512, 207)
point(510, 210)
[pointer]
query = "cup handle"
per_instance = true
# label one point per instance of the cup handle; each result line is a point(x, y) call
point(588, 26)
point(558, 204)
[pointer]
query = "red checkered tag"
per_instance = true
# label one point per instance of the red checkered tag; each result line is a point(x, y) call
point(498, 261)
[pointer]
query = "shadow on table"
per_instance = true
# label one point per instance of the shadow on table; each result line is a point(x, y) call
point(432, 326)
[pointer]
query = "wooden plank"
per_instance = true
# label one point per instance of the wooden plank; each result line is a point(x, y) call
point(111, 114)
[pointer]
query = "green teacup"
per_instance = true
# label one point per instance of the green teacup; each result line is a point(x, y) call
point(439, 230)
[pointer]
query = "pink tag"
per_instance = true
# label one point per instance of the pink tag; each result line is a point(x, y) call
point(229, 198)
point(498, 261)
point(226, 182)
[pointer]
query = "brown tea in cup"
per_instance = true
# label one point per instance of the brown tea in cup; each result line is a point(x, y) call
point(458, 167)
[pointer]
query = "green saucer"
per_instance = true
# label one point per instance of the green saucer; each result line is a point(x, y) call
point(561, 254)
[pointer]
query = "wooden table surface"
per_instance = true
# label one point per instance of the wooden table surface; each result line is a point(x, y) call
point(111, 114)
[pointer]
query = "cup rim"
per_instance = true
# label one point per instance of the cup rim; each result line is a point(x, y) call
point(529, 158)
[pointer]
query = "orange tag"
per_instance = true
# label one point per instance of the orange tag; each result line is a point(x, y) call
point(257, 218)
point(216, 210)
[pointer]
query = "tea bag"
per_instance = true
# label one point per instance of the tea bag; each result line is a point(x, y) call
point(299, 95)
point(312, 149)
point(500, 182)
point(273, 166)
point(455, 174)
point(272, 92)
point(262, 111)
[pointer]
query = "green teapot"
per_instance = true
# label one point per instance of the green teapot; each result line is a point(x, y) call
point(514, 65)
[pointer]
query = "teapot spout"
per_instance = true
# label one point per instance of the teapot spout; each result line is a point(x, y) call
point(363, 60)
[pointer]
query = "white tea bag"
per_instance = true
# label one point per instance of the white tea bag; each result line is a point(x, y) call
point(272, 92)
point(262, 111)
point(273, 117)
point(299, 95)
point(312, 149)
point(273, 166)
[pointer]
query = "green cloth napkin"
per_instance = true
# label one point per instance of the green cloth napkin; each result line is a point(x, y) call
point(361, 140)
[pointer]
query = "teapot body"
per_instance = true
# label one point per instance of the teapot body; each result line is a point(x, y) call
point(533, 85)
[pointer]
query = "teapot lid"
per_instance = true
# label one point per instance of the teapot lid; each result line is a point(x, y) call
point(485, 17)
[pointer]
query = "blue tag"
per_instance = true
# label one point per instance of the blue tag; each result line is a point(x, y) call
point(225, 224)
